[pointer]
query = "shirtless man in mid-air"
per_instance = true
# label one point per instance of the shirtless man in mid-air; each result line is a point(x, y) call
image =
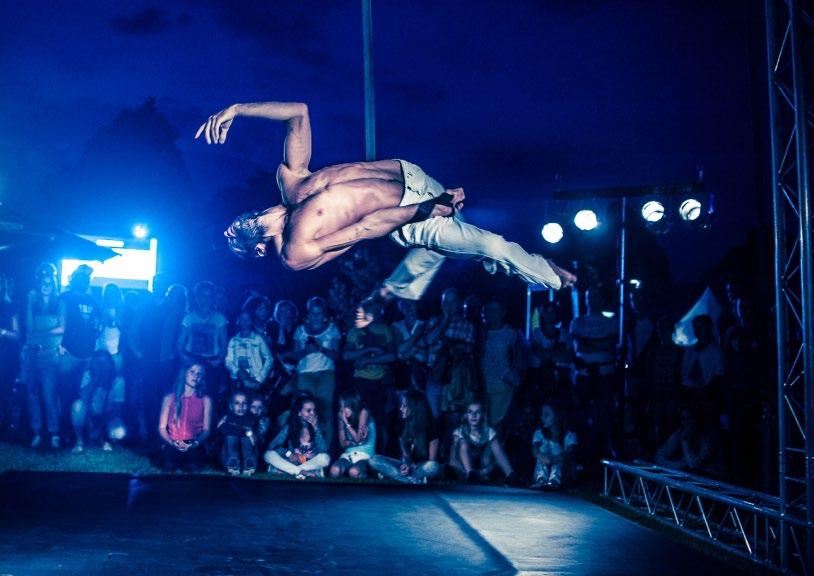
point(325, 213)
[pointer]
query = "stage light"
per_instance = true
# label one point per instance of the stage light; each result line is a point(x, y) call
point(653, 211)
point(552, 232)
point(635, 283)
point(140, 231)
point(586, 220)
point(690, 209)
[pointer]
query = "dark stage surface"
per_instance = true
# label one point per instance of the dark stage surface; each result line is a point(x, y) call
point(85, 524)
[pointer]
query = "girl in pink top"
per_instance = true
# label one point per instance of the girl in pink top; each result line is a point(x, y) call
point(185, 420)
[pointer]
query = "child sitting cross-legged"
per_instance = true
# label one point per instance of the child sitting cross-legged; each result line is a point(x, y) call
point(356, 433)
point(238, 430)
point(299, 448)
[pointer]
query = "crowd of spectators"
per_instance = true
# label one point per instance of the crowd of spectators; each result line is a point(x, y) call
point(198, 380)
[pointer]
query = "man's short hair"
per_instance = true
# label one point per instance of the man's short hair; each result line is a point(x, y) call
point(245, 234)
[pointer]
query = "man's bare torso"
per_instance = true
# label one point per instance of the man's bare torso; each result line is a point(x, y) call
point(335, 197)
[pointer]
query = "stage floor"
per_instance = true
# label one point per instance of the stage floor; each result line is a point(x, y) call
point(87, 524)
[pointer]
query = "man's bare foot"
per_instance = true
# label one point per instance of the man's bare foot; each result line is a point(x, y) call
point(567, 278)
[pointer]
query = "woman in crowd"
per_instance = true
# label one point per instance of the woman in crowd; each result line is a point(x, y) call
point(696, 445)
point(185, 420)
point(281, 343)
point(476, 450)
point(45, 325)
point(101, 394)
point(289, 453)
point(419, 444)
point(554, 449)
point(356, 432)
point(259, 312)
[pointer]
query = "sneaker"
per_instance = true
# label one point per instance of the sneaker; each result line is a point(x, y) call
point(107, 446)
point(55, 442)
point(37, 441)
point(78, 449)
point(538, 484)
point(248, 471)
point(233, 471)
point(300, 476)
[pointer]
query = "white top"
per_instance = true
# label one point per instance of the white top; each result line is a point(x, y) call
point(203, 340)
point(249, 353)
point(550, 447)
point(474, 436)
point(316, 361)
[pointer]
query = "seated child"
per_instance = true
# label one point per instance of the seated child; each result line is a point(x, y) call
point(238, 429)
point(554, 448)
point(419, 444)
point(476, 451)
point(258, 408)
point(299, 448)
point(356, 433)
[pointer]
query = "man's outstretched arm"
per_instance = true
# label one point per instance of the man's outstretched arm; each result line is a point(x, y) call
point(297, 148)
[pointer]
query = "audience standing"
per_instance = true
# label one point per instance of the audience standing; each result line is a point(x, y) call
point(45, 326)
point(317, 345)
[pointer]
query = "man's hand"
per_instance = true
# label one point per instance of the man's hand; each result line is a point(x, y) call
point(215, 129)
point(568, 279)
point(450, 202)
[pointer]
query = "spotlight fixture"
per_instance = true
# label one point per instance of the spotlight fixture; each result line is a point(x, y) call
point(586, 220)
point(140, 231)
point(552, 232)
point(653, 211)
point(690, 210)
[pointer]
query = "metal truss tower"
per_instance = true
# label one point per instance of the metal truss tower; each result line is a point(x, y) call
point(790, 45)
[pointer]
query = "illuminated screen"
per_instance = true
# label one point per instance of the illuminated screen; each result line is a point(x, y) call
point(134, 267)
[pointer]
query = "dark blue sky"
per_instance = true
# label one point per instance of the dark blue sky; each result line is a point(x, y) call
point(497, 97)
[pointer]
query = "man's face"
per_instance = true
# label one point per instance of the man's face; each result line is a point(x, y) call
point(80, 282)
point(246, 236)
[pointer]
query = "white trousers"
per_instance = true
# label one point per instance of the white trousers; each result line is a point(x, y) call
point(282, 464)
point(433, 240)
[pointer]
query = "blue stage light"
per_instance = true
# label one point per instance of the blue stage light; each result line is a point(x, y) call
point(552, 232)
point(653, 211)
point(586, 220)
point(690, 209)
point(140, 231)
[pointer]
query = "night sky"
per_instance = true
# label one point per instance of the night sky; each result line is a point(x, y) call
point(508, 100)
